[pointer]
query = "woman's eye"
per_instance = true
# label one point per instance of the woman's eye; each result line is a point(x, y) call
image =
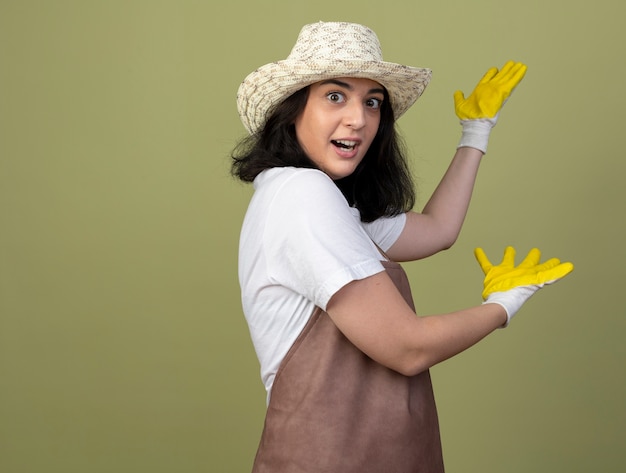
point(374, 103)
point(335, 97)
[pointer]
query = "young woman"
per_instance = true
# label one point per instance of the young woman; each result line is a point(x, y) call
point(343, 356)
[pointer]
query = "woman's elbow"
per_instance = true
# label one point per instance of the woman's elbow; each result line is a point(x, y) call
point(448, 240)
point(413, 364)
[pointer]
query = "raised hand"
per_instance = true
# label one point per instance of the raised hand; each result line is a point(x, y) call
point(490, 93)
point(479, 112)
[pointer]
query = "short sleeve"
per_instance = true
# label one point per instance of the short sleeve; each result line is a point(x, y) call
point(385, 231)
point(313, 240)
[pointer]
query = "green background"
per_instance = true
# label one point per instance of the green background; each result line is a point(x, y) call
point(122, 343)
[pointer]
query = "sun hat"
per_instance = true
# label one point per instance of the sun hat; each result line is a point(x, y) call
point(325, 50)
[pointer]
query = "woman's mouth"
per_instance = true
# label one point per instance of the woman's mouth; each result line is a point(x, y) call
point(345, 144)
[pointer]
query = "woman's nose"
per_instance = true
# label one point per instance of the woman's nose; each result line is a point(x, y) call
point(355, 116)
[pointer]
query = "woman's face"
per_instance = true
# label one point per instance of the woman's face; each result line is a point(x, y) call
point(339, 123)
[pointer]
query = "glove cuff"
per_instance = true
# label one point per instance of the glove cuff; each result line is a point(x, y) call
point(508, 316)
point(512, 300)
point(476, 133)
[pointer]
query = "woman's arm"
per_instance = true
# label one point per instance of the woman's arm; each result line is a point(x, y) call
point(437, 227)
point(372, 314)
point(439, 224)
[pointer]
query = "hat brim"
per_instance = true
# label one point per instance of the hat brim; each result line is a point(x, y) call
point(262, 90)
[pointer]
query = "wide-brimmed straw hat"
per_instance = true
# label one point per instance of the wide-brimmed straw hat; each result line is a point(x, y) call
point(322, 51)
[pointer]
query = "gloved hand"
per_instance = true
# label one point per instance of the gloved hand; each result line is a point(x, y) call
point(510, 285)
point(479, 112)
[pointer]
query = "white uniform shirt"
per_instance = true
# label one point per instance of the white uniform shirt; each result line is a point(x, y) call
point(300, 243)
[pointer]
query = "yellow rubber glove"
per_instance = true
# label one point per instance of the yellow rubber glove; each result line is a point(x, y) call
point(479, 112)
point(491, 92)
point(510, 285)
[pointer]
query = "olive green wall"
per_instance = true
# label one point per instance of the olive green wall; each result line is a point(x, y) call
point(122, 343)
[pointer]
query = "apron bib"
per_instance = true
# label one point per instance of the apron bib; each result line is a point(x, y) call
point(335, 410)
